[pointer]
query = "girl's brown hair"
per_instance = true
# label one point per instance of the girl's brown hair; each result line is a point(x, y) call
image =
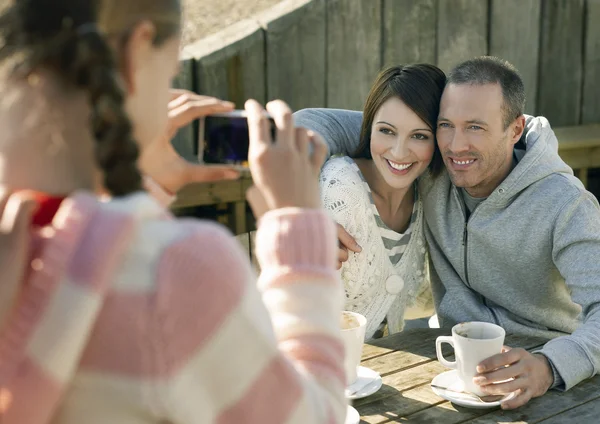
point(64, 36)
point(420, 87)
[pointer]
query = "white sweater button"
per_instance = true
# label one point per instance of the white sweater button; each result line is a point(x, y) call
point(394, 284)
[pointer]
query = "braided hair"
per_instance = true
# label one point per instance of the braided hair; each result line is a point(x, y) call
point(61, 36)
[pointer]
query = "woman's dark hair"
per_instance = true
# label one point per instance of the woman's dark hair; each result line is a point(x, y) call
point(63, 36)
point(420, 87)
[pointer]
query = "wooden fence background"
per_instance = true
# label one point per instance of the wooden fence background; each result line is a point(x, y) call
point(326, 53)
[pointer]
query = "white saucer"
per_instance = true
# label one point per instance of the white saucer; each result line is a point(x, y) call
point(450, 380)
point(352, 416)
point(367, 383)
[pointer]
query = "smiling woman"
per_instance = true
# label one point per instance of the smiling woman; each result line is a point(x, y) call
point(373, 195)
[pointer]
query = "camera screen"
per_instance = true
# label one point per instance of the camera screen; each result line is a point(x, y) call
point(226, 140)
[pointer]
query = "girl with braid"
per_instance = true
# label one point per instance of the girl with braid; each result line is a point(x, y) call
point(125, 315)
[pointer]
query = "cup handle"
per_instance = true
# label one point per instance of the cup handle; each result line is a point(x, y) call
point(438, 350)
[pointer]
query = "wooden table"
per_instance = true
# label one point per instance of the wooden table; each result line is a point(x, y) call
point(407, 363)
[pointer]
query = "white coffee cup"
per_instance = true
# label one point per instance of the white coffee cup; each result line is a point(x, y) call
point(353, 327)
point(472, 342)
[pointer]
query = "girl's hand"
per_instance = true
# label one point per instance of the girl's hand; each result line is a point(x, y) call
point(283, 170)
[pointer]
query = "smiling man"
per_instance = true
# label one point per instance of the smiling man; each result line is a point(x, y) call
point(513, 236)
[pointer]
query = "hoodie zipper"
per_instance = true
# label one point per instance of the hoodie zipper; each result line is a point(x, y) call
point(465, 240)
point(465, 246)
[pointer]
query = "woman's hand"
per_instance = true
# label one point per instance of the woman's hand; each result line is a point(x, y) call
point(284, 172)
point(163, 164)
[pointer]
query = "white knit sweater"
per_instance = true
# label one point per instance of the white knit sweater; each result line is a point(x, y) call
point(366, 275)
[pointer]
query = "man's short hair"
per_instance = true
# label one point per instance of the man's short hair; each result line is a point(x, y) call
point(492, 70)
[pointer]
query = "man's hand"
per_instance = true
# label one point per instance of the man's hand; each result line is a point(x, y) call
point(346, 242)
point(163, 164)
point(529, 375)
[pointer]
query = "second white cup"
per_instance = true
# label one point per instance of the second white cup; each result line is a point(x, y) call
point(353, 327)
point(472, 342)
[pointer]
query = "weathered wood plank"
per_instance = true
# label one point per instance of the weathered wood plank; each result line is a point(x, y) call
point(462, 31)
point(370, 351)
point(444, 412)
point(410, 348)
point(578, 137)
point(552, 406)
point(184, 141)
point(560, 78)
point(353, 51)
point(588, 412)
point(591, 67)
point(401, 381)
point(582, 157)
point(402, 404)
point(231, 64)
point(407, 338)
point(409, 31)
point(515, 36)
point(201, 194)
point(296, 63)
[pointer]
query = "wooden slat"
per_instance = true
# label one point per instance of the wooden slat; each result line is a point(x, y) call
point(409, 31)
point(400, 382)
point(353, 32)
point(515, 36)
point(591, 66)
point(554, 407)
point(295, 37)
point(559, 94)
point(239, 215)
point(462, 31)
point(184, 141)
point(202, 194)
point(581, 157)
point(588, 412)
point(403, 404)
point(230, 64)
point(578, 137)
point(579, 147)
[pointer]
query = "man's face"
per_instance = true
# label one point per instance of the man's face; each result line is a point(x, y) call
point(476, 148)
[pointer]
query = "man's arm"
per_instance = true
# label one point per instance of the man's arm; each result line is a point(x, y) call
point(576, 254)
point(339, 128)
point(565, 361)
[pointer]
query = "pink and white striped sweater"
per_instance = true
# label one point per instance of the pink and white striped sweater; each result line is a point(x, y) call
point(129, 316)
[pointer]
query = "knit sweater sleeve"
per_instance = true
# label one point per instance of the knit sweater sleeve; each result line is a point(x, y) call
point(248, 353)
point(343, 195)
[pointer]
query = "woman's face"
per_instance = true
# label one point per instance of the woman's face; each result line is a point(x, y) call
point(402, 144)
point(149, 71)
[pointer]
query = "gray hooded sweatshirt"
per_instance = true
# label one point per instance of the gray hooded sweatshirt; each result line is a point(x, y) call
point(527, 258)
